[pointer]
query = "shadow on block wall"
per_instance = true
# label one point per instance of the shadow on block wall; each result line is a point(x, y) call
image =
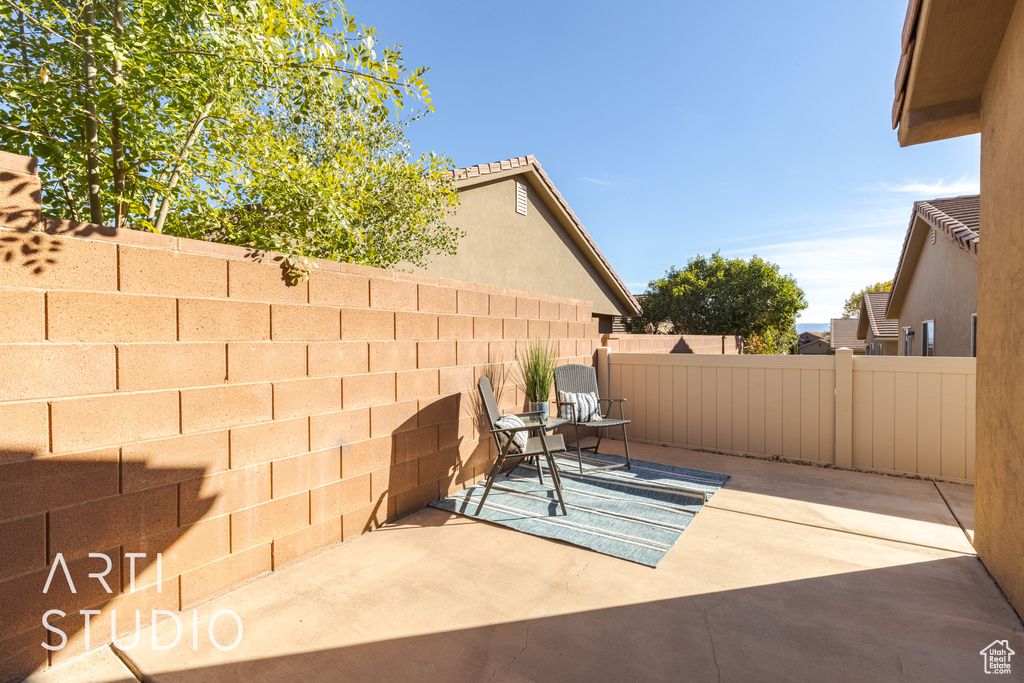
point(20, 197)
point(427, 455)
point(67, 516)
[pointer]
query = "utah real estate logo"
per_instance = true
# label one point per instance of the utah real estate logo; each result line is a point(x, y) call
point(997, 657)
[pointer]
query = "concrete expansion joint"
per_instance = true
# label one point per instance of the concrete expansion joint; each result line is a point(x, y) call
point(842, 531)
point(126, 660)
point(952, 512)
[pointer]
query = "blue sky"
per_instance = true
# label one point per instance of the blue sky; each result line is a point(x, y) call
point(682, 128)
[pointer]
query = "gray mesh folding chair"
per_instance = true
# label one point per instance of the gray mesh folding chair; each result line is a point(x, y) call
point(536, 446)
point(582, 379)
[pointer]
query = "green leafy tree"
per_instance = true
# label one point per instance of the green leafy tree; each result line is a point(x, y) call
point(252, 121)
point(715, 295)
point(851, 307)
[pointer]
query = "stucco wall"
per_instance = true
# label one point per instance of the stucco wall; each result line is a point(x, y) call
point(817, 348)
point(889, 348)
point(944, 288)
point(164, 395)
point(999, 493)
point(531, 252)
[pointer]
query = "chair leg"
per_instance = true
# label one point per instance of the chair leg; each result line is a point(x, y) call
point(579, 453)
point(555, 479)
point(598, 446)
point(540, 474)
point(558, 482)
point(490, 481)
point(625, 442)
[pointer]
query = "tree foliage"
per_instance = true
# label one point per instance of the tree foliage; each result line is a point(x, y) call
point(250, 121)
point(851, 308)
point(715, 295)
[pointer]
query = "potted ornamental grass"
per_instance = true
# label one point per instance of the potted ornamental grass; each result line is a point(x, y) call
point(537, 364)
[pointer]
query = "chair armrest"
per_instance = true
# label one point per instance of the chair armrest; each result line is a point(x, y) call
point(512, 430)
point(531, 413)
point(572, 406)
point(620, 401)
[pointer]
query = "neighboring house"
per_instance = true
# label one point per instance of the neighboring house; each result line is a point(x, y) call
point(617, 325)
point(880, 334)
point(844, 335)
point(522, 234)
point(935, 291)
point(812, 344)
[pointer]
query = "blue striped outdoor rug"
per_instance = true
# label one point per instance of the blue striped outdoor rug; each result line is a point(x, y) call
point(636, 514)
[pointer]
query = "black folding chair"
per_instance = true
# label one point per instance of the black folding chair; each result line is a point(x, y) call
point(536, 446)
point(582, 379)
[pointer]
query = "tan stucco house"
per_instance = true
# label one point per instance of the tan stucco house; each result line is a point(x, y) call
point(522, 234)
point(812, 344)
point(843, 335)
point(960, 74)
point(880, 334)
point(935, 291)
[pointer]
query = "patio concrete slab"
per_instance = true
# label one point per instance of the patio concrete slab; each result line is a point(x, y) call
point(98, 666)
point(740, 597)
point(905, 510)
point(960, 498)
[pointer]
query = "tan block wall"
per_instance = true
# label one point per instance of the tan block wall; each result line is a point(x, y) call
point(999, 492)
point(173, 396)
point(670, 343)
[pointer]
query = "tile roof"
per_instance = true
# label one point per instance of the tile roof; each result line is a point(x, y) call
point(959, 218)
point(530, 161)
point(844, 334)
point(874, 304)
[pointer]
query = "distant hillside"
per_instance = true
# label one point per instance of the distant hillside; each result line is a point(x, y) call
point(812, 327)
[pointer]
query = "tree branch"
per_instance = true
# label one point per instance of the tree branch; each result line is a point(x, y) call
point(310, 67)
point(92, 154)
point(182, 157)
point(38, 23)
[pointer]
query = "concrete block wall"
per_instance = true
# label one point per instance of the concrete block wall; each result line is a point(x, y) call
point(704, 344)
point(174, 396)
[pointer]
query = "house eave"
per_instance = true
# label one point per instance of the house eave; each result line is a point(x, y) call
point(948, 47)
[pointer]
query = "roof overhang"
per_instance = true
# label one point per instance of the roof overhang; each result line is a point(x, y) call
point(913, 243)
point(530, 170)
point(948, 50)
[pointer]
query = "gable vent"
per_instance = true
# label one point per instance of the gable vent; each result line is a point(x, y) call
point(933, 235)
point(520, 198)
